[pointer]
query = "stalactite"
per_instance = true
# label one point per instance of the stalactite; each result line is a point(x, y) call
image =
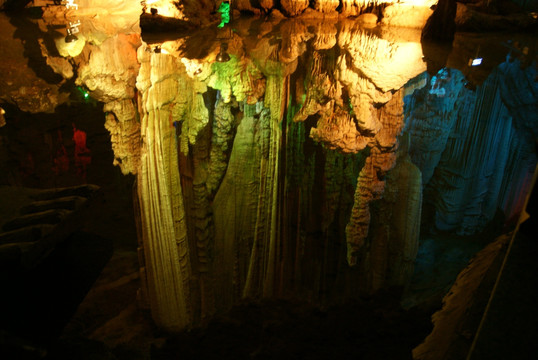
point(165, 245)
point(201, 225)
point(124, 127)
point(405, 14)
point(245, 5)
point(432, 119)
point(326, 6)
point(394, 244)
point(111, 69)
point(164, 229)
point(518, 89)
point(272, 250)
point(293, 7)
point(238, 77)
point(477, 148)
point(294, 39)
point(369, 188)
point(357, 7)
point(267, 5)
point(223, 132)
point(242, 214)
point(339, 131)
point(257, 261)
point(250, 194)
point(325, 36)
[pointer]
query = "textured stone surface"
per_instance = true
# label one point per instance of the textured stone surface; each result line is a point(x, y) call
point(407, 15)
point(231, 117)
point(124, 128)
point(454, 323)
point(164, 229)
point(293, 7)
point(458, 135)
point(430, 118)
point(326, 6)
point(109, 70)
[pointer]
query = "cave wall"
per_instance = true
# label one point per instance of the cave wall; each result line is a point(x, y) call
point(470, 147)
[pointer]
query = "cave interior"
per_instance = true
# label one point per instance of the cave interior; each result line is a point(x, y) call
point(268, 179)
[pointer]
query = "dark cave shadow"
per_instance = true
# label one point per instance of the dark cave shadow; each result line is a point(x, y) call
point(30, 34)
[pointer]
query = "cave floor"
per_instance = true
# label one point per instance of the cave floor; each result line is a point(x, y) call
point(110, 325)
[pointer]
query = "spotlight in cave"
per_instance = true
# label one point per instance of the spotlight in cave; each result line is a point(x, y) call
point(475, 62)
point(223, 56)
point(70, 38)
point(72, 29)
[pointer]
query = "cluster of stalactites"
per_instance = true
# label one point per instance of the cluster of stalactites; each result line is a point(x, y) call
point(399, 12)
point(297, 7)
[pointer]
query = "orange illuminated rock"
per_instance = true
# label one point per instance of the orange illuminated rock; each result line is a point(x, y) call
point(293, 7)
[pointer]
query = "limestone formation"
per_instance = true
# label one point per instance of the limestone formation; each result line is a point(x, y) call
point(164, 229)
point(293, 7)
point(326, 6)
point(123, 124)
point(43, 220)
point(245, 5)
point(431, 116)
point(267, 5)
point(325, 36)
point(110, 69)
point(452, 323)
point(267, 172)
point(408, 14)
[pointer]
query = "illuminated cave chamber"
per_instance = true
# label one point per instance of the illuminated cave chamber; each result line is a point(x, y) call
point(257, 175)
point(309, 162)
point(286, 171)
